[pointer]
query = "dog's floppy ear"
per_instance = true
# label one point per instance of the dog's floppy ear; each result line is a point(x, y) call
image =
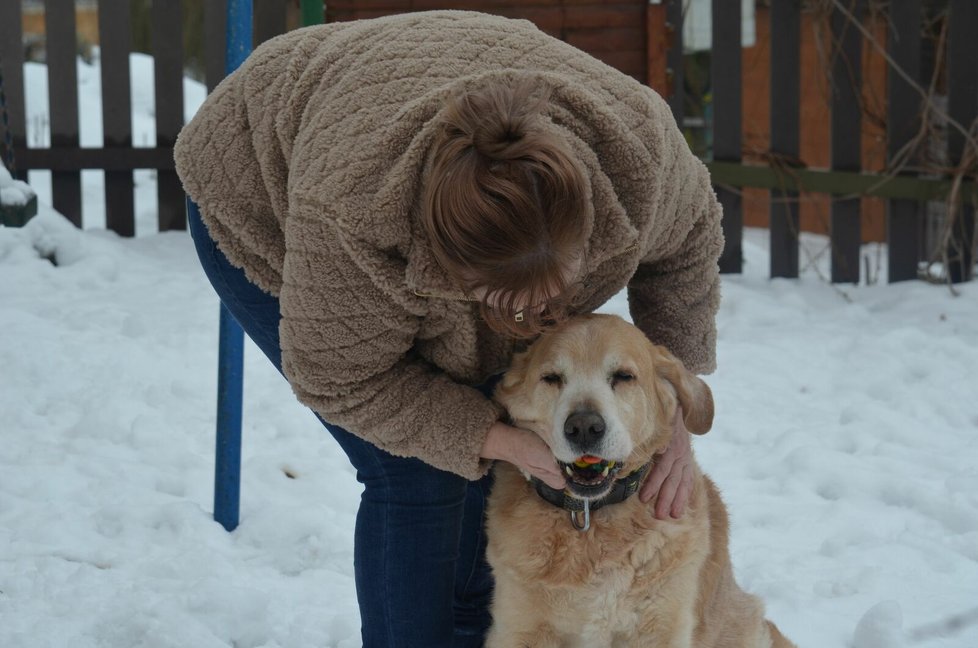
point(514, 376)
point(694, 394)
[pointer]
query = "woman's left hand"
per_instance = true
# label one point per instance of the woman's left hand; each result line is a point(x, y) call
point(671, 477)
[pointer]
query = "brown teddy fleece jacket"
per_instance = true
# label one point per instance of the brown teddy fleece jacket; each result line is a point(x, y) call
point(307, 165)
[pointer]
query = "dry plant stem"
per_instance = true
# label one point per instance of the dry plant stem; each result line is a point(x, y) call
point(971, 141)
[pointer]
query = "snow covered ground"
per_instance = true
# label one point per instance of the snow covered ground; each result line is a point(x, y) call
point(845, 445)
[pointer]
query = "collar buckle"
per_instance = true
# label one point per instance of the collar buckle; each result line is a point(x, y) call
point(585, 524)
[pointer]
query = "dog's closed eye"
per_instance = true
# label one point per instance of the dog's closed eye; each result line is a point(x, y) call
point(621, 376)
point(552, 378)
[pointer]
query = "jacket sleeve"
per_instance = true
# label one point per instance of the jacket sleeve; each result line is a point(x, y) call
point(347, 350)
point(675, 293)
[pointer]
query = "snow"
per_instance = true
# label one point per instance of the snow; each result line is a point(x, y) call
point(13, 192)
point(880, 627)
point(845, 445)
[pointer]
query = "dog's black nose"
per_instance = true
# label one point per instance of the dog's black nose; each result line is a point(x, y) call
point(584, 429)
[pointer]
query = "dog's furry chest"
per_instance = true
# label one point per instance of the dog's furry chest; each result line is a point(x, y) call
point(595, 587)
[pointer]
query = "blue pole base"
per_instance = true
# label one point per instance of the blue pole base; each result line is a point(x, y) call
point(230, 381)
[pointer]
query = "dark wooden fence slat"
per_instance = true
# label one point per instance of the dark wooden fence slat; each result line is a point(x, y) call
point(845, 230)
point(63, 101)
point(903, 224)
point(12, 57)
point(674, 59)
point(115, 45)
point(215, 28)
point(167, 35)
point(656, 49)
point(962, 52)
point(269, 19)
point(727, 110)
point(785, 20)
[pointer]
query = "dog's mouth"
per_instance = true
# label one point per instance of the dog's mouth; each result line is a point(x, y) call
point(589, 476)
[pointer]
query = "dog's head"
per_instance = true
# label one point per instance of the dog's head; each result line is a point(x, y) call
point(603, 397)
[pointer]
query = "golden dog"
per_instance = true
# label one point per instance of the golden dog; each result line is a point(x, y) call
point(603, 398)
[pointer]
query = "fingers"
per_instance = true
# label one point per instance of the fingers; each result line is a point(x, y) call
point(537, 459)
point(674, 493)
point(551, 478)
point(671, 478)
point(672, 482)
point(682, 493)
point(545, 470)
point(545, 467)
point(662, 468)
point(653, 483)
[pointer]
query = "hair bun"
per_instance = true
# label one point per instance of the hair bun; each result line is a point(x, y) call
point(497, 120)
point(497, 135)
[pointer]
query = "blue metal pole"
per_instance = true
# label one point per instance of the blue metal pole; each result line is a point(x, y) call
point(230, 369)
point(227, 462)
point(238, 34)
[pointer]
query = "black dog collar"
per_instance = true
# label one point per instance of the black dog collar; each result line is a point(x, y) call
point(622, 490)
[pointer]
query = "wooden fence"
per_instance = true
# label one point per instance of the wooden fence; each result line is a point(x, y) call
point(641, 37)
point(785, 174)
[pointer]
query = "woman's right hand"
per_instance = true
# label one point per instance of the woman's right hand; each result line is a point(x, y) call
point(525, 450)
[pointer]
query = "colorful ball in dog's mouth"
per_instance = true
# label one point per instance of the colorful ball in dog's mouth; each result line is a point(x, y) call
point(589, 474)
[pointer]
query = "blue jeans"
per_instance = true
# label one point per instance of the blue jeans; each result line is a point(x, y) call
point(419, 543)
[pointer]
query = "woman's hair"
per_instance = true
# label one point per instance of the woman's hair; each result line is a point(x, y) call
point(505, 205)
